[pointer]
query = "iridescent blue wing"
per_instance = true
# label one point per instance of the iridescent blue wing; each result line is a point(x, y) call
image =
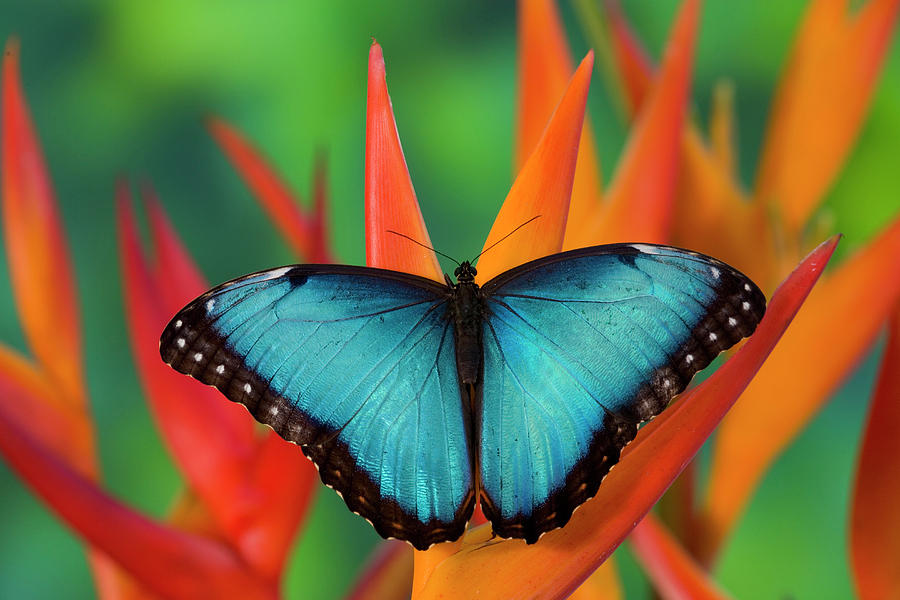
point(581, 347)
point(358, 367)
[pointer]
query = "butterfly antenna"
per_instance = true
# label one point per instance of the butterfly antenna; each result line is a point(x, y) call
point(415, 241)
point(506, 236)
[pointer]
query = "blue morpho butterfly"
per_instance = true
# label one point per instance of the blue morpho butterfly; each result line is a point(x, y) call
point(414, 398)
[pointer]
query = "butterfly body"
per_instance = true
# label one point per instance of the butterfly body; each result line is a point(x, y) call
point(416, 398)
point(467, 308)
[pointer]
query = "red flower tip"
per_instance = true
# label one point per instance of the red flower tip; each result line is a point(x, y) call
point(391, 203)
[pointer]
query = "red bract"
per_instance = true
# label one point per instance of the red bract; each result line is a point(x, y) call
point(810, 133)
point(875, 517)
point(248, 491)
point(305, 233)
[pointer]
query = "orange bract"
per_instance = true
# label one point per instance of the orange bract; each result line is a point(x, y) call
point(675, 573)
point(821, 101)
point(513, 569)
point(390, 199)
point(543, 186)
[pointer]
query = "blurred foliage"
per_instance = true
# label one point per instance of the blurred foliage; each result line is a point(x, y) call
point(123, 88)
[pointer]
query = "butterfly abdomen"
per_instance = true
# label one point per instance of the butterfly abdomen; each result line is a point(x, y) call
point(467, 311)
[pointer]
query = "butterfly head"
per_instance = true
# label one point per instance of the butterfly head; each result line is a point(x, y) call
point(465, 273)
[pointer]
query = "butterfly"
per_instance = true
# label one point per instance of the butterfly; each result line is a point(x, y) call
point(415, 399)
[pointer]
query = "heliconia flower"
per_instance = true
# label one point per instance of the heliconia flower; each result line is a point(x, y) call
point(230, 532)
point(763, 233)
point(875, 516)
point(631, 489)
point(674, 572)
point(306, 233)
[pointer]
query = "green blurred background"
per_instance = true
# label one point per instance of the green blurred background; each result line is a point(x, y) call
point(122, 88)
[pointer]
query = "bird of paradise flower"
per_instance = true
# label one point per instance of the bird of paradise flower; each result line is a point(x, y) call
point(387, 179)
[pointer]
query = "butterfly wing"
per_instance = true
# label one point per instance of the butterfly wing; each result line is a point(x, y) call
point(581, 347)
point(355, 365)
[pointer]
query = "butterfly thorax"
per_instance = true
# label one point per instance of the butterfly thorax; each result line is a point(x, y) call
point(467, 311)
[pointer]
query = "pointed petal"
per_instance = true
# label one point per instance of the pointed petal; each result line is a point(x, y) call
point(284, 482)
point(35, 405)
point(640, 198)
point(721, 126)
point(388, 574)
point(635, 67)
point(390, 199)
point(807, 366)
point(212, 440)
point(674, 573)
point(166, 561)
point(543, 186)
point(177, 277)
point(875, 516)
point(713, 216)
point(820, 104)
point(510, 568)
point(603, 584)
point(267, 187)
point(711, 213)
point(545, 65)
point(596, 30)
point(42, 280)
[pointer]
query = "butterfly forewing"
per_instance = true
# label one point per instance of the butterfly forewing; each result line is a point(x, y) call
point(581, 347)
point(358, 367)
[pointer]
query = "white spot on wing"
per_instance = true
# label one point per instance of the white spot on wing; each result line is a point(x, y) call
point(689, 358)
point(220, 369)
point(732, 321)
point(180, 342)
point(247, 388)
point(210, 304)
point(713, 337)
point(715, 272)
point(745, 305)
point(276, 273)
point(178, 324)
point(273, 411)
point(198, 357)
point(747, 287)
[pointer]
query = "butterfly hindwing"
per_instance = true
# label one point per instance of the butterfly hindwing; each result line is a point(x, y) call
point(355, 365)
point(581, 347)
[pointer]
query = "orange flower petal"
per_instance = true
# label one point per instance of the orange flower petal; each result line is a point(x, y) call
point(388, 574)
point(285, 482)
point(212, 440)
point(390, 199)
point(267, 187)
point(721, 127)
point(543, 186)
point(34, 404)
point(674, 573)
point(42, 280)
point(711, 215)
point(603, 584)
point(809, 363)
point(167, 562)
point(258, 494)
point(635, 67)
point(177, 277)
point(820, 104)
point(544, 68)
point(640, 198)
point(511, 568)
point(875, 516)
